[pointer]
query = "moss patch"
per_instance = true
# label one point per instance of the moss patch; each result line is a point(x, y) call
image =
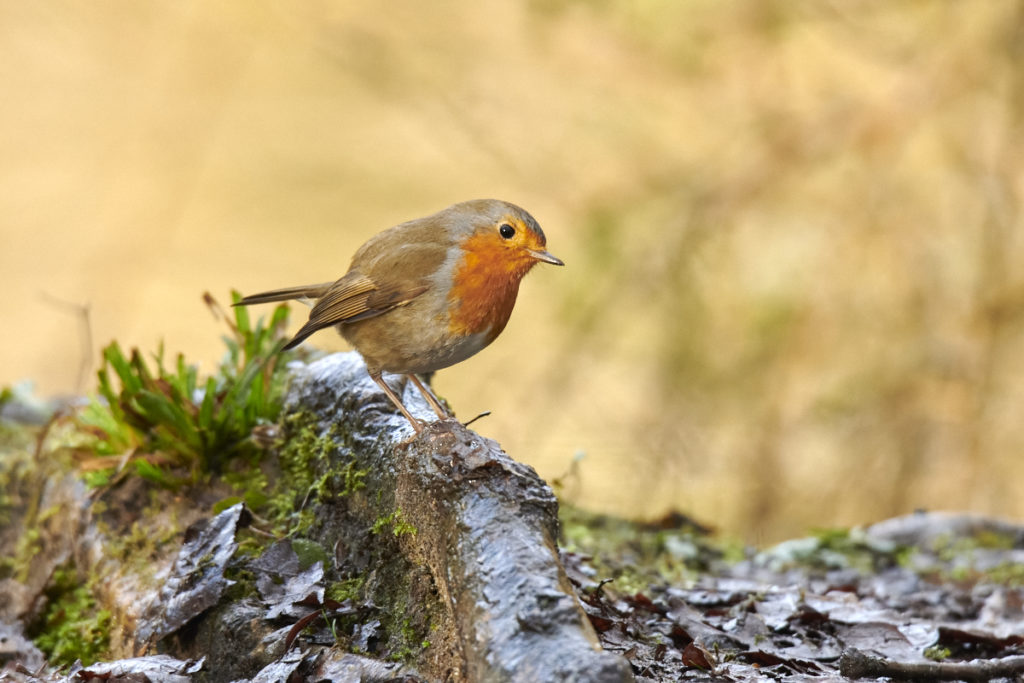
point(396, 521)
point(348, 589)
point(72, 627)
point(308, 468)
point(634, 555)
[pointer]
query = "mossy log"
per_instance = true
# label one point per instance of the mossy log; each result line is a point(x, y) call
point(475, 533)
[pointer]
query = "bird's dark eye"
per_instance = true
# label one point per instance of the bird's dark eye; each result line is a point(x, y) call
point(507, 231)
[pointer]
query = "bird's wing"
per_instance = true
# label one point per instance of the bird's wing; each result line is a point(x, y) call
point(355, 297)
point(346, 298)
point(383, 276)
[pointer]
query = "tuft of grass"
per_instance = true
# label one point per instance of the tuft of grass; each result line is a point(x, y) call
point(173, 427)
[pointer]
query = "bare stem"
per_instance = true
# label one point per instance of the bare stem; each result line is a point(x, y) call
point(857, 664)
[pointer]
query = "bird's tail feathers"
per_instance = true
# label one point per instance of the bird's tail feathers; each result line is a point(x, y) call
point(311, 292)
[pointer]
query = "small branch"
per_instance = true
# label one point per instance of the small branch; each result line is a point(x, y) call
point(219, 313)
point(857, 664)
point(483, 414)
point(80, 311)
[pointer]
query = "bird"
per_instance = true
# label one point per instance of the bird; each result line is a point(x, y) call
point(426, 294)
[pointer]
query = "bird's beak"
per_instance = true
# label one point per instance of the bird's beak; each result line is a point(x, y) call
point(546, 257)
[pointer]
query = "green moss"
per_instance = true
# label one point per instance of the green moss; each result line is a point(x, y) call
point(134, 548)
point(309, 553)
point(71, 628)
point(349, 589)
point(635, 555)
point(27, 547)
point(310, 465)
point(1008, 573)
point(353, 478)
point(956, 558)
point(243, 583)
point(23, 477)
point(396, 520)
point(852, 548)
point(304, 464)
point(837, 548)
point(408, 644)
point(949, 548)
point(400, 595)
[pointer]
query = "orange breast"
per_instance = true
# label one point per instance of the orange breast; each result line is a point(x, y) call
point(485, 285)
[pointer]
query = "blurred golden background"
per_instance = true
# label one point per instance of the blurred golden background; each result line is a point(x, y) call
point(794, 293)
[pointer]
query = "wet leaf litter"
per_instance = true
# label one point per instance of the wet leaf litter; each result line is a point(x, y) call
point(927, 596)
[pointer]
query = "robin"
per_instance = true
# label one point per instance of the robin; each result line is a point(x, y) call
point(426, 294)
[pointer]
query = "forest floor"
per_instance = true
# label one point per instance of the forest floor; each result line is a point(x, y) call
point(912, 597)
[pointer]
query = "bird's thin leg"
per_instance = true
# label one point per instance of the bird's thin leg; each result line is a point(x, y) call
point(416, 424)
point(431, 399)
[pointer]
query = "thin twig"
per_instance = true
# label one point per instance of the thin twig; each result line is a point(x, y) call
point(483, 414)
point(857, 664)
point(220, 314)
point(80, 311)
